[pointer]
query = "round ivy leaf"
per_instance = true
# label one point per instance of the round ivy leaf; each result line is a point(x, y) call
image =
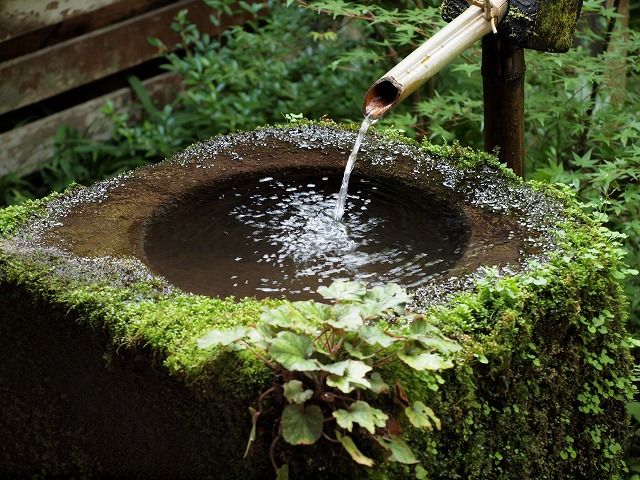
point(363, 414)
point(348, 375)
point(425, 361)
point(421, 416)
point(222, 337)
point(294, 392)
point(343, 290)
point(301, 426)
point(400, 451)
point(293, 351)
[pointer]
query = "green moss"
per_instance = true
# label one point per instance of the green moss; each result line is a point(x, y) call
point(14, 216)
point(555, 23)
point(169, 325)
point(546, 371)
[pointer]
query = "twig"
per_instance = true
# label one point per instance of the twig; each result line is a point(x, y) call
point(263, 396)
point(332, 440)
point(272, 452)
point(262, 358)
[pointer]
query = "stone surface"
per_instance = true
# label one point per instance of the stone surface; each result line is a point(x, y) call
point(545, 25)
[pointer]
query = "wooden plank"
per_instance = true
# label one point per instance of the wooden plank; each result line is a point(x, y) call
point(18, 17)
point(25, 148)
point(32, 25)
point(81, 60)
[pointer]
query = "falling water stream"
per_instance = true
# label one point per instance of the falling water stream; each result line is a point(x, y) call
point(338, 212)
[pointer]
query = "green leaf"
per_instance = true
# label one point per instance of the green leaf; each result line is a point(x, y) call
point(481, 358)
point(283, 472)
point(352, 450)
point(347, 318)
point(439, 344)
point(261, 336)
point(222, 337)
point(360, 351)
point(421, 473)
point(425, 361)
point(374, 336)
point(352, 375)
point(419, 327)
point(343, 291)
point(363, 414)
point(383, 298)
point(142, 94)
point(377, 384)
point(292, 351)
point(300, 425)
point(429, 336)
point(421, 416)
point(400, 451)
point(294, 392)
point(316, 312)
point(634, 410)
point(286, 316)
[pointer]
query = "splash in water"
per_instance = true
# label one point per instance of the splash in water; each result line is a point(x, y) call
point(270, 236)
point(338, 212)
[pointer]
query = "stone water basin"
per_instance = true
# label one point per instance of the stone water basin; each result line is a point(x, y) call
point(104, 291)
point(177, 218)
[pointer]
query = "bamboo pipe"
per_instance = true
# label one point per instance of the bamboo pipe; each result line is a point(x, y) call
point(429, 58)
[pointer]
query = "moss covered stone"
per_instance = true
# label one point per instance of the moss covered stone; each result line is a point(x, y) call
point(100, 373)
point(545, 25)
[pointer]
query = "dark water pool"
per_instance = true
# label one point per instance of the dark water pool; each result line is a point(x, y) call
point(274, 235)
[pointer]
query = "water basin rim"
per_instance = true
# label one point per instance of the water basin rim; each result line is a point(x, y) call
point(309, 136)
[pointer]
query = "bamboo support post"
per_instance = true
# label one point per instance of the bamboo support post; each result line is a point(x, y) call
point(503, 69)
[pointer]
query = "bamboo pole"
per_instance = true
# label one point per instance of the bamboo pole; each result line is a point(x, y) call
point(503, 69)
point(428, 59)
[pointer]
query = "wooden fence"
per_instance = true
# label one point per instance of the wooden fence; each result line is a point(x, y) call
point(49, 48)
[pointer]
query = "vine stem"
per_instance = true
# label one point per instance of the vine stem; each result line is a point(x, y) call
point(260, 357)
point(332, 440)
point(338, 346)
point(326, 341)
point(272, 452)
point(263, 396)
point(384, 361)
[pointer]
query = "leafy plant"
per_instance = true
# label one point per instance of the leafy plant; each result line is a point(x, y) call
point(329, 361)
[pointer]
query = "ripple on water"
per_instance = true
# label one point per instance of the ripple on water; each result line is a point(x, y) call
point(275, 235)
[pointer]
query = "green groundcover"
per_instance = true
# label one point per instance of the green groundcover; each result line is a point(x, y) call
point(101, 375)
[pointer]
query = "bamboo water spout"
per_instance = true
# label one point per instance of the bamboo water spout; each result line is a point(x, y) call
point(432, 56)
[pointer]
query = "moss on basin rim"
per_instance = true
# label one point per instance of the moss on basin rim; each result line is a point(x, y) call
point(100, 374)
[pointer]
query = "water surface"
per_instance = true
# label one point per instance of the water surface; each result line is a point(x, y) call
point(276, 236)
